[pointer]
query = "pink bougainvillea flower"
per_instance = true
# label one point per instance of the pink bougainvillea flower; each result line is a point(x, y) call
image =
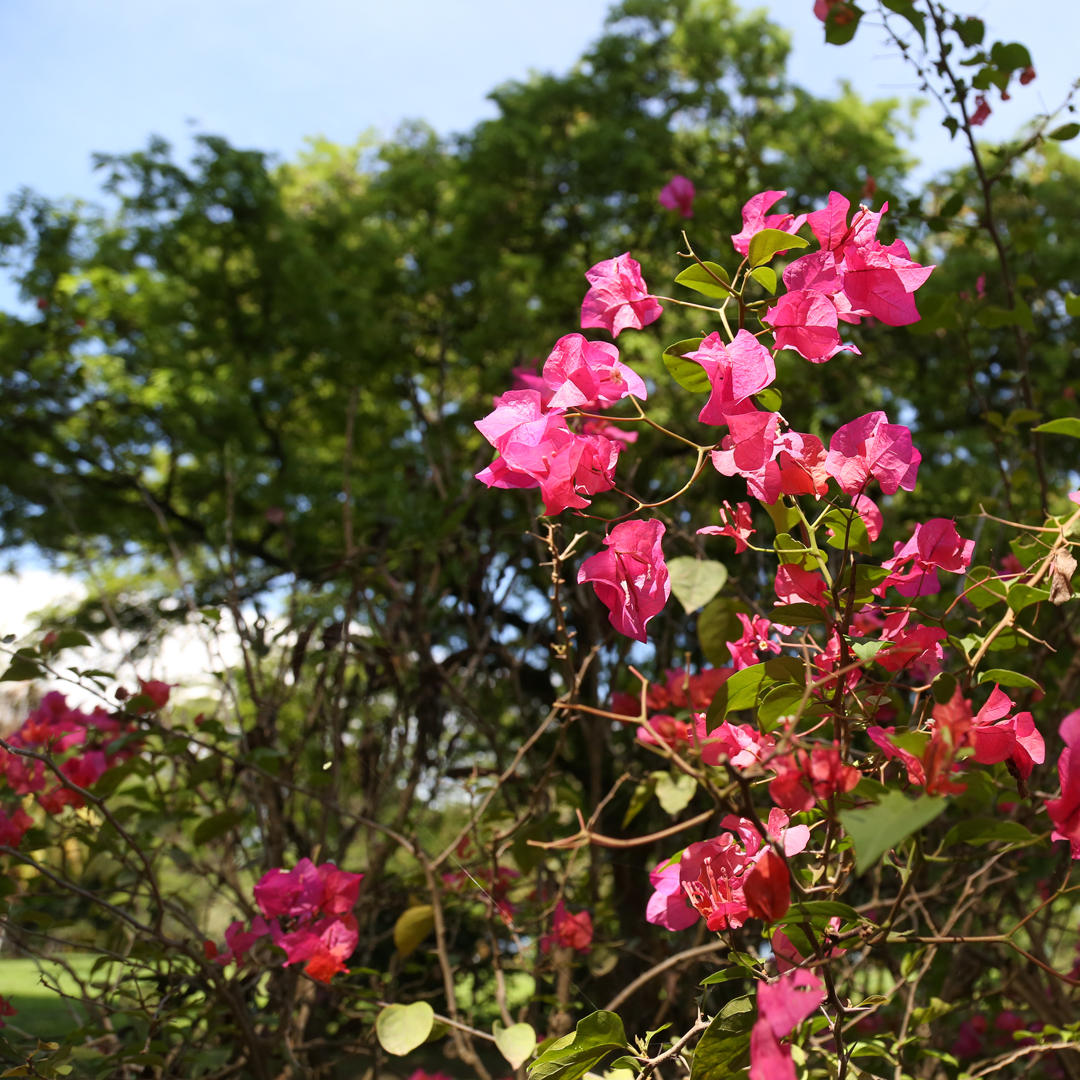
point(755, 219)
point(678, 194)
point(736, 372)
point(934, 545)
point(323, 949)
point(872, 448)
point(583, 372)
point(630, 577)
point(583, 465)
point(1065, 811)
point(804, 777)
point(997, 736)
point(668, 731)
point(307, 891)
point(618, 297)
point(668, 905)
point(880, 281)
point(807, 321)
point(982, 111)
point(794, 585)
point(844, 13)
point(801, 460)
point(569, 930)
point(782, 1006)
point(157, 691)
point(868, 510)
point(6, 1009)
point(741, 744)
point(910, 645)
point(735, 523)
point(755, 642)
point(239, 941)
point(14, 826)
point(749, 451)
point(537, 449)
point(767, 888)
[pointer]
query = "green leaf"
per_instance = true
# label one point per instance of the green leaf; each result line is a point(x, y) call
point(985, 830)
point(867, 578)
point(822, 909)
point(994, 317)
point(747, 687)
point(674, 791)
point(797, 614)
point(876, 829)
point(842, 22)
point(70, 639)
point(846, 525)
point(639, 800)
point(1064, 134)
point(1010, 57)
point(907, 9)
point(216, 825)
point(780, 701)
point(717, 625)
point(729, 974)
point(112, 779)
point(766, 243)
point(784, 517)
point(412, 926)
point(400, 1029)
point(696, 581)
point(724, 1049)
point(516, 1043)
point(867, 650)
point(988, 589)
point(699, 279)
point(1072, 303)
point(765, 276)
point(572, 1056)
point(970, 30)
point(1022, 596)
point(1068, 425)
point(790, 550)
point(1003, 677)
point(689, 374)
point(20, 669)
point(769, 400)
point(943, 687)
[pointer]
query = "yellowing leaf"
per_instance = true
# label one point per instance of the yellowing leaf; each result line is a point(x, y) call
point(413, 925)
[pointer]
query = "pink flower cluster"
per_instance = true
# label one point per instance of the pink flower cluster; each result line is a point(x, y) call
point(529, 427)
point(714, 876)
point(1065, 811)
point(55, 728)
point(568, 931)
point(782, 1006)
point(307, 912)
point(852, 276)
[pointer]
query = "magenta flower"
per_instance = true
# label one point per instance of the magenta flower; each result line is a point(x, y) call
point(590, 373)
point(801, 460)
point(239, 940)
point(794, 585)
point(1000, 737)
point(322, 947)
point(736, 372)
point(742, 744)
point(678, 194)
point(871, 516)
point(749, 450)
point(630, 577)
point(307, 890)
point(569, 931)
point(934, 545)
point(1065, 811)
point(584, 465)
point(782, 1006)
point(910, 645)
point(13, 826)
point(736, 523)
point(807, 322)
point(618, 297)
point(880, 281)
point(754, 643)
point(521, 420)
point(668, 905)
point(755, 219)
point(982, 111)
point(871, 447)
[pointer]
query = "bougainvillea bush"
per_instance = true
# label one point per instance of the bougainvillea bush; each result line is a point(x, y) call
point(873, 808)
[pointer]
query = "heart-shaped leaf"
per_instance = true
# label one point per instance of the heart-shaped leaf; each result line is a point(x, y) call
point(696, 581)
point(515, 1043)
point(413, 925)
point(400, 1029)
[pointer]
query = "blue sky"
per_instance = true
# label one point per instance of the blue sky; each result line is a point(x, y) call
point(78, 77)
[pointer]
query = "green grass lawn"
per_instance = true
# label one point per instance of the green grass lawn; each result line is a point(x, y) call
point(40, 1011)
